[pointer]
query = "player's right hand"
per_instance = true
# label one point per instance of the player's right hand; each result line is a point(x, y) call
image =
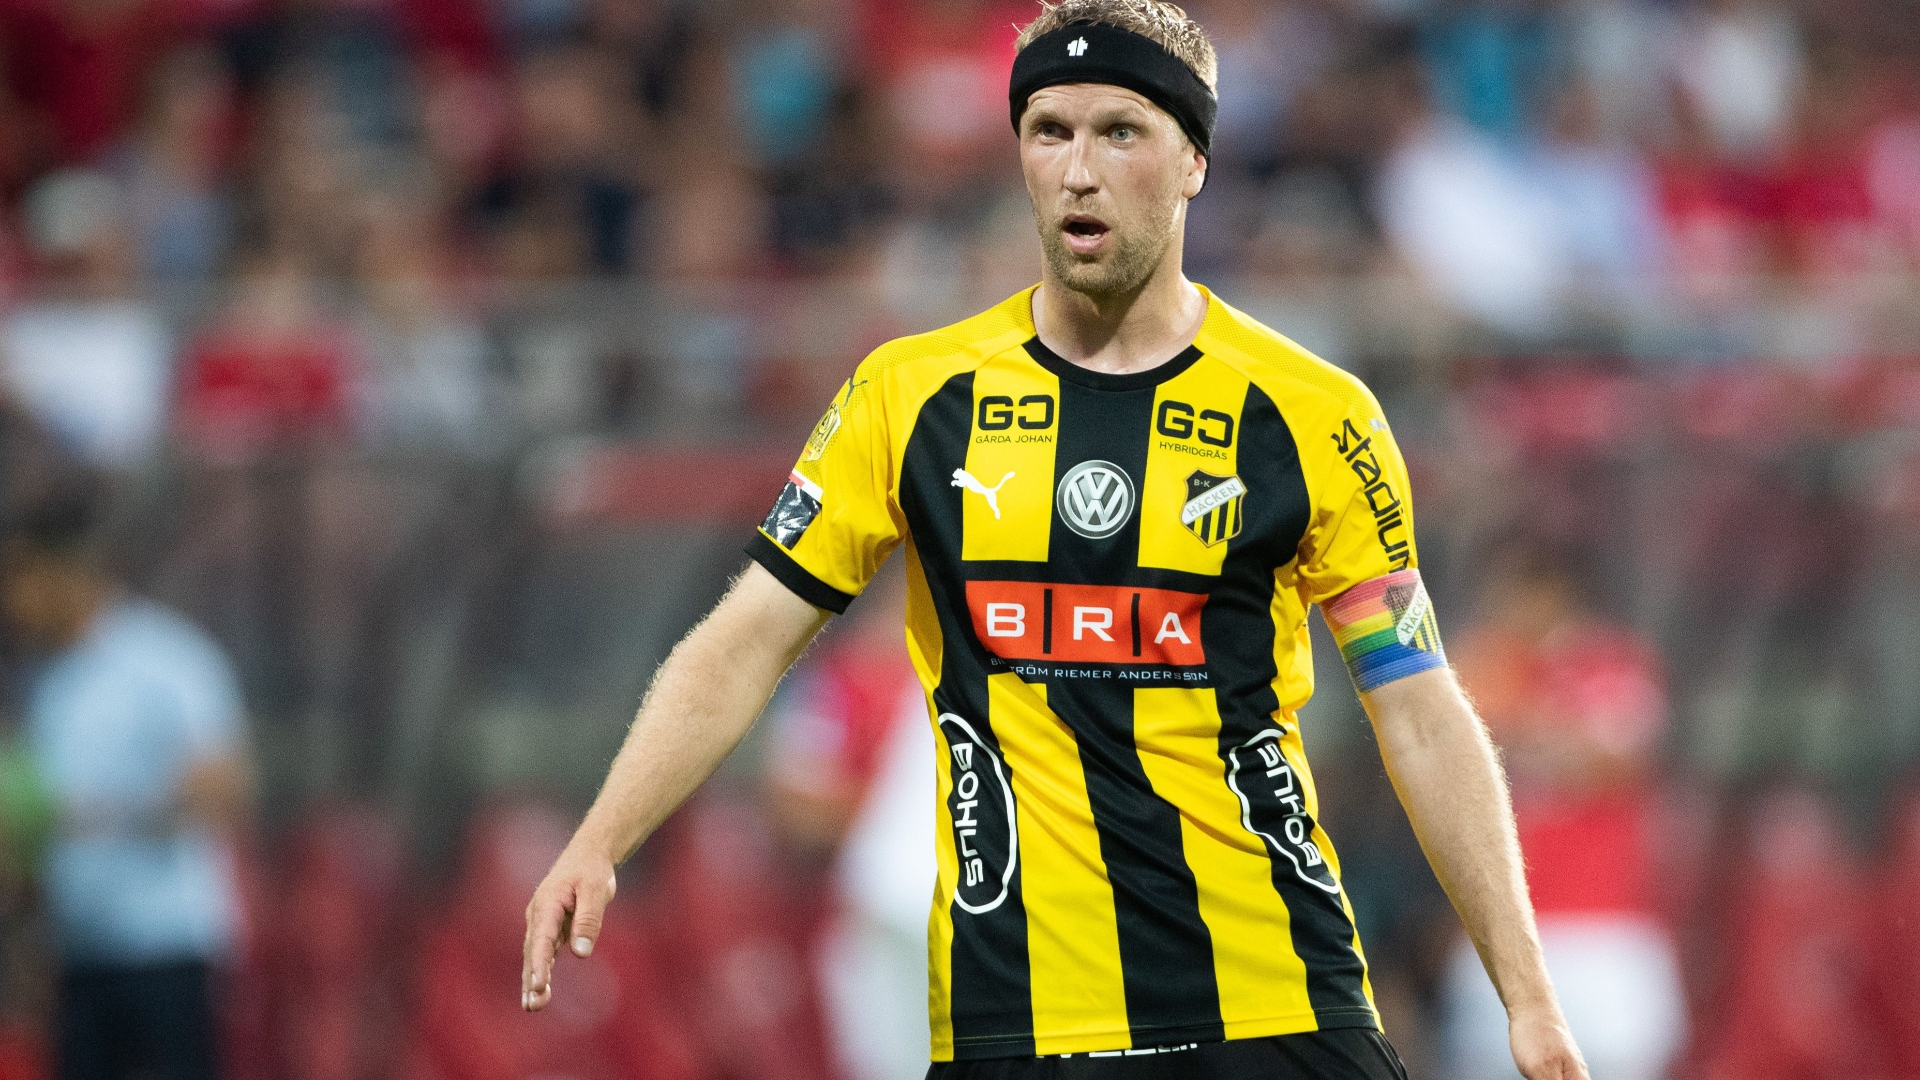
point(568, 906)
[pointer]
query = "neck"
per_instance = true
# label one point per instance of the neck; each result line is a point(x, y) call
point(1121, 333)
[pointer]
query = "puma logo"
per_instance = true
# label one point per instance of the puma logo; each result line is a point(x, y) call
point(964, 479)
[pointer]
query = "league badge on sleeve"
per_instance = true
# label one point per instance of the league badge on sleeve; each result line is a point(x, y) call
point(823, 433)
point(798, 505)
point(1214, 507)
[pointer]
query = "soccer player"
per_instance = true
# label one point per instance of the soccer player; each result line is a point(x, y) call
point(1117, 497)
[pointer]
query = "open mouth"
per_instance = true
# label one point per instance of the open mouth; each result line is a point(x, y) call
point(1079, 225)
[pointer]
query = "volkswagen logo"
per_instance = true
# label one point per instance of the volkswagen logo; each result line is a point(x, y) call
point(1095, 499)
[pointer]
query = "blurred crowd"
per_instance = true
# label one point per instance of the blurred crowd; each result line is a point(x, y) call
point(1613, 141)
point(337, 211)
point(380, 218)
point(385, 384)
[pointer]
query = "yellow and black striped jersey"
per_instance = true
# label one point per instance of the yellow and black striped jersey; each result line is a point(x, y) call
point(1108, 584)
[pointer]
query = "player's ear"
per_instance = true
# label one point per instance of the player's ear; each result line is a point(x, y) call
point(1196, 171)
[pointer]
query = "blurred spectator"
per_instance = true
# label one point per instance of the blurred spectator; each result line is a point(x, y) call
point(1489, 63)
point(1825, 208)
point(1893, 179)
point(785, 72)
point(1471, 222)
point(742, 928)
point(1790, 1004)
point(620, 1018)
point(1740, 65)
point(332, 944)
point(1268, 52)
point(1578, 707)
point(830, 727)
point(80, 66)
point(1890, 943)
point(567, 178)
point(426, 380)
point(307, 171)
point(354, 53)
point(873, 961)
point(1612, 45)
point(136, 725)
point(848, 775)
point(942, 66)
point(829, 201)
point(89, 360)
point(273, 372)
point(1604, 197)
point(173, 169)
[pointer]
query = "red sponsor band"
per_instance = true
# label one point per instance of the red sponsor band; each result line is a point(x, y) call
point(1092, 624)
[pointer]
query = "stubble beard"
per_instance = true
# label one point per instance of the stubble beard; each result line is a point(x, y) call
point(1125, 269)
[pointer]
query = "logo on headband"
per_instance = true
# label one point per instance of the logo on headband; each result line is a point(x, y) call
point(1077, 47)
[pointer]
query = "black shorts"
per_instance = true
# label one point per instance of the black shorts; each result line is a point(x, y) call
point(1339, 1054)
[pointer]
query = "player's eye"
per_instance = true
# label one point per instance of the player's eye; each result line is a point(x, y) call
point(1047, 129)
point(1122, 133)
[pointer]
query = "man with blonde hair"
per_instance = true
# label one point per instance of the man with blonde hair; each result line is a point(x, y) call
point(1133, 881)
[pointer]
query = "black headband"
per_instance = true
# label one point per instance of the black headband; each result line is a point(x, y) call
point(1098, 53)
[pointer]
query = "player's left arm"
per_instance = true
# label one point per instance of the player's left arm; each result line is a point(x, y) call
point(1448, 776)
point(1359, 563)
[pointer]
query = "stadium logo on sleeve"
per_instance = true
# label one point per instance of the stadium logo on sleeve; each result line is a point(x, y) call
point(1214, 507)
point(1095, 499)
point(798, 505)
point(1389, 511)
point(986, 837)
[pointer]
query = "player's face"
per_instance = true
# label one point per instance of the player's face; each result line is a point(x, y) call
point(1110, 174)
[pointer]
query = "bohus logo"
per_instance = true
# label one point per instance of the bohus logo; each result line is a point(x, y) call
point(986, 838)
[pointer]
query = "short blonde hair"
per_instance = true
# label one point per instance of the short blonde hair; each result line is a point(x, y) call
point(1155, 20)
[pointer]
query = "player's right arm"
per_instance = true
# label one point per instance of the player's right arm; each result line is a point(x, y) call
point(703, 700)
point(833, 525)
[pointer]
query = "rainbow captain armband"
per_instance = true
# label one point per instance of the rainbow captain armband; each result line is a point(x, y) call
point(1385, 629)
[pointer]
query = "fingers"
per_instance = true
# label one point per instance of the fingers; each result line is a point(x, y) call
point(564, 908)
point(1557, 1066)
point(589, 911)
point(546, 919)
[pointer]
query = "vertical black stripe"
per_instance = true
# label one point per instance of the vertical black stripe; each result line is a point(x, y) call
point(992, 1004)
point(1046, 622)
point(1136, 624)
point(1166, 953)
point(1238, 632)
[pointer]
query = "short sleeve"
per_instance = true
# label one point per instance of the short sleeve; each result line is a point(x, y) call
point(837, 520)
point(1361, 527)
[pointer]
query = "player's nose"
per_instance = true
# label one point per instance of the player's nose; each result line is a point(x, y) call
point(1080, 177)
